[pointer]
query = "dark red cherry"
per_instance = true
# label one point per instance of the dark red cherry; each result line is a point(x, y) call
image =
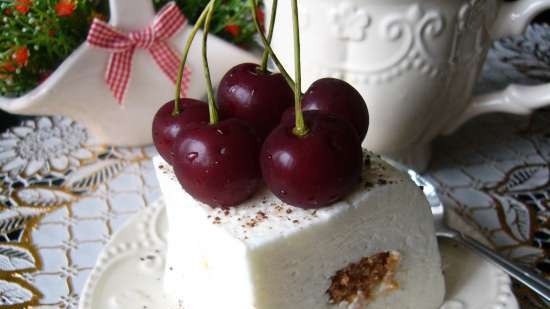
point(337, 97)
point(166, 127)
point(259, 98)
point(314, 170)
point(218, 164)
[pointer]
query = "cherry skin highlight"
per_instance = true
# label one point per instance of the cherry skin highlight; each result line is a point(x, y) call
point(259, 98)
point(218, 164)
point(337, 97)
point(166, 127)
point(314, 170)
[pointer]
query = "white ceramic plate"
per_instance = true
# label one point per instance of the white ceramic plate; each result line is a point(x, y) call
point(130, 269)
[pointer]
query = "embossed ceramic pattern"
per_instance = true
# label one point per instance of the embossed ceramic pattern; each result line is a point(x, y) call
point(136, 255)
point(128, 271)
point(415, 62)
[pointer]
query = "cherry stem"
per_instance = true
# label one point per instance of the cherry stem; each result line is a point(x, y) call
point(196, 28)
point(210, 90)
point(272, 19)
point(300, 129)
point(267, 46)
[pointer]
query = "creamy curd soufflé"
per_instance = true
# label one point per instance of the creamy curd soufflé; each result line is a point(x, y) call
point(374, 249)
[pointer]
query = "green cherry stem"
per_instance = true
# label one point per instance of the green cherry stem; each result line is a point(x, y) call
point(300, 129)
point(268, 46)
point(210, 90)
point(196, 27)
point(272, 19)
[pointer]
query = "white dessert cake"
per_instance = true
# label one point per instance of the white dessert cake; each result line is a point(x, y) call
point(375, 249)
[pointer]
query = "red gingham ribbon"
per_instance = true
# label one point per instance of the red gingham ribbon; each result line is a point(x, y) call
point(167, 22)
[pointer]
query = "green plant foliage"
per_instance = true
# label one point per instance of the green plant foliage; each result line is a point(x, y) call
point(37, 35)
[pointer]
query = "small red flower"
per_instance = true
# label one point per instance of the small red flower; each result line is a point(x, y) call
point(21, 56)
point(65, 8)
point(23, 6)
point(6, 68)
point(8, 12)
point(234, 30)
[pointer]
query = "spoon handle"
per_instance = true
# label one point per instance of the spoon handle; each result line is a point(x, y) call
point(530, 279)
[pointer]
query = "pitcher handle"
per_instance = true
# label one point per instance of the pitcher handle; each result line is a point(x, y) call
point(513, 18)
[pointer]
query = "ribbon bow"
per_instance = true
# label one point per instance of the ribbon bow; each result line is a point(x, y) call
point(168, 21)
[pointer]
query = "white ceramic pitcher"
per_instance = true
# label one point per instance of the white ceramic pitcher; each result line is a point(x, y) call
point(415, 62)
point(77, 88)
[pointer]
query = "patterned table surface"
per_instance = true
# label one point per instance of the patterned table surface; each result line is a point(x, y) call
point(62, 196)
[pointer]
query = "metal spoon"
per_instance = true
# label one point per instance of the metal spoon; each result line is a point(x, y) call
point(531, 280)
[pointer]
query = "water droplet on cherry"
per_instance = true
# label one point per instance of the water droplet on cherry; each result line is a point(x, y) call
point(192, 156)
point(215, 181)
point(166, 127)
